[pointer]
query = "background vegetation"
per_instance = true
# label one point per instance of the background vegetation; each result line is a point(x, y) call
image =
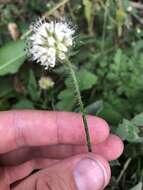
point(108, 56)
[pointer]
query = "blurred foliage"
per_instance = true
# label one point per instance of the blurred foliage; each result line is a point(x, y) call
point(108, 60)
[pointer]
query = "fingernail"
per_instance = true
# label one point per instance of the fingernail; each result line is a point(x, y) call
point(89, 175)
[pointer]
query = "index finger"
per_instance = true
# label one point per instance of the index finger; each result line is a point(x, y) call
point(37, 128)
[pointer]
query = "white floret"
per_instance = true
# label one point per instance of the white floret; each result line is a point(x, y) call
point(62, 56)
point(50, 41)
point(62, 47)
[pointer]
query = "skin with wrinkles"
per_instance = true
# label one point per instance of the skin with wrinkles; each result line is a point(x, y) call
point(53, 142)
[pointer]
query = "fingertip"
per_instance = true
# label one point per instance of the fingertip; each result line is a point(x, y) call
point(92, 172)
point(105, 167)
point(99, 129)
point(117, 146)
point(111, 148)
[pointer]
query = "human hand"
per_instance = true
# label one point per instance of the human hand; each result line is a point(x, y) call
point(54, 144)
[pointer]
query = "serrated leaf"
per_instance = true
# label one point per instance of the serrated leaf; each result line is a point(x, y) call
point(138, 120)
point(12, 55)
point(128, 131)
point(118, 56)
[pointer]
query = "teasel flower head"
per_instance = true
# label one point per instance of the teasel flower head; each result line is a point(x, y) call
point(50, 42)
point(46, 82)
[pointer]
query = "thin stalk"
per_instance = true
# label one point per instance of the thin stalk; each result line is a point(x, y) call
point(60, 4)
point(123, 170)
point(75, 82)
point(46, 15)
point(104, 26)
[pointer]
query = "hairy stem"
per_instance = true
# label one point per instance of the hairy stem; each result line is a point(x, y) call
point(76, 86)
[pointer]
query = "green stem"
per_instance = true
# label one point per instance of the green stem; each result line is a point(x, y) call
point(75, 82)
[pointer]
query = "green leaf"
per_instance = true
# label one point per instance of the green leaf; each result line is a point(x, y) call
point(4, 105)
point(65, 94)
point(66, 104)
point(32, 87)
point(67, 97)
point(6, 88)
point(85, 79)
point(138, 120)
point(94, 108)
point(24, 104)
point(128, 131)
point(12, 55)
point(110, 114)
point(139, 186)
point(67, 100)
point(118, 56)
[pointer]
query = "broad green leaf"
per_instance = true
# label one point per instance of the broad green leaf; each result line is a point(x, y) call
point(4, 105)
point(6, 88)
point(139, 186)
point(94, 108)
point(67, 97)
point(85, 78)
point(12, 55)
point(24, 104)
point(65, 94)
point(67, 100)
point(66, 104)
point(110, 114)
point(32, 87)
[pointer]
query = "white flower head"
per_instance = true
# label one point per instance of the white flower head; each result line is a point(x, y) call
point(50, 42)
point(129, 9)
point(138, 30)
point(46, 83)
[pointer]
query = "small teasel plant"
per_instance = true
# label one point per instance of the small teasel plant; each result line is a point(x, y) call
point(49, 43)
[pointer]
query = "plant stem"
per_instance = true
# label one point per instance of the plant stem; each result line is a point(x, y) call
point(46, 15)
point(75, 82)
point(123, 170)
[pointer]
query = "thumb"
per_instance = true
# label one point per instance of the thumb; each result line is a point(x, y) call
point(81, 172)
point(91, 173)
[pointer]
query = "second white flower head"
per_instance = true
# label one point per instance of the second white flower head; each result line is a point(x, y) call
point(50, 41)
